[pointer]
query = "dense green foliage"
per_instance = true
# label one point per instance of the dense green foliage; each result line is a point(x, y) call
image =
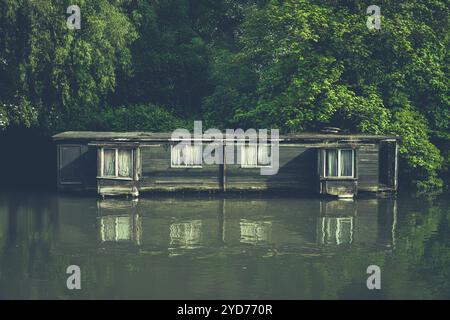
point(295, 65)
point(138, 118)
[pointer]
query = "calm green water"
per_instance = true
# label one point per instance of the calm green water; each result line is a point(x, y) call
point(231, 248)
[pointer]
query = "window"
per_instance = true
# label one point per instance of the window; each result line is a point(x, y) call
point(117, 163)
point(186, 155)
point(339, 162)
point(255, 155)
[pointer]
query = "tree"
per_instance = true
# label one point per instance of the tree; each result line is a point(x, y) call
point(307, 64)
point(63, 74)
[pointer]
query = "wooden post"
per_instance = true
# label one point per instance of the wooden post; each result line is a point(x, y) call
point(224, 169)
point(99, 162)
point(137, 164)
point(320, 169)
point(396, 166)
point(58, 167)
point(221, 230)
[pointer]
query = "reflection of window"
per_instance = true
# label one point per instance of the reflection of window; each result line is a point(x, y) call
point(339, 162)
point(120, 228)
point(117, 163)
point(255, 155)
point(186, 155)
point(336, 230)
point(186, 235)
point(253, 232)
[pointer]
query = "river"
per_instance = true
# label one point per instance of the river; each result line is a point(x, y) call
point(234, 247)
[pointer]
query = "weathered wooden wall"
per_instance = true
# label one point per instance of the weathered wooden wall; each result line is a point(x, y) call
point(157, 173)
point(297, 171)
point(77, 167)
point(388, 165)
point(339, 187)
point(368, 167)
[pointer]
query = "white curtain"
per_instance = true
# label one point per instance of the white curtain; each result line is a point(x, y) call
point(109, 162)
point(187, 155)
point(124, 163)
point(331, 163)
point(263, 154)
point(196, 155)
point(249, 155)
point(176, 155)
point(346, 163)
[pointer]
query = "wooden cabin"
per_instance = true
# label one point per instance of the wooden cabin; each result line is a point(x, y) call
point(131, 163)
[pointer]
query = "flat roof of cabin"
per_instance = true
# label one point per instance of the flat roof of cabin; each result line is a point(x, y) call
point(165, 136)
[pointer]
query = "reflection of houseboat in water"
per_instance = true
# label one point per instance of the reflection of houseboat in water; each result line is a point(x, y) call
point(119, 222)
point(336, 223)
point(186, 235)
point(124, 228)
point(335, 230)
point(225, 223)
point(255, 232)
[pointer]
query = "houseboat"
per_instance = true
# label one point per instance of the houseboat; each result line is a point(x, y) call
point(132, 163)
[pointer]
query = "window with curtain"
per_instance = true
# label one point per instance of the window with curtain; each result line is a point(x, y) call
point(255, 155)
point(249, 156)
point(346, 166)
point(331, 163)
point(186, 155)
point(117, 163)
point(124, 164)
point(339, 162)
point(109, 162)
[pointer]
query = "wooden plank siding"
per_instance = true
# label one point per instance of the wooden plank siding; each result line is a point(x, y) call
point(300, 167)
point(76, 167)
point(157, 173)
point(368, 167)
point(298, 171)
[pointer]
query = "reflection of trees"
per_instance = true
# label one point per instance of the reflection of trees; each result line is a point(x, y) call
point(423, 245)
point(28, 240)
